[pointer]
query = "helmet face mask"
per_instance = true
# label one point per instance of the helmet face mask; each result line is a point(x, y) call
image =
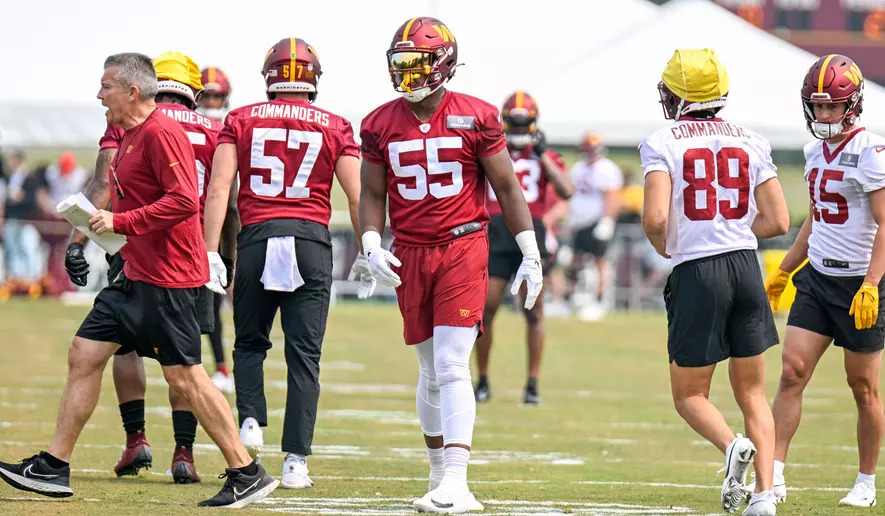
point(519, 115)
point(832, 79)
point(421, 58)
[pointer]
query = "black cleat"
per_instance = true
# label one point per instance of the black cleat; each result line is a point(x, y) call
point(482, 391)
point(240, 489)
point(531, 396)
point(36, 475)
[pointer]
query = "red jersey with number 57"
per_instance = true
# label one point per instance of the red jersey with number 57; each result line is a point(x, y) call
point(714, 167)
point(532, 179)
point(840, 179)
point(201, 131)
point(434, 180)
point(287, 150)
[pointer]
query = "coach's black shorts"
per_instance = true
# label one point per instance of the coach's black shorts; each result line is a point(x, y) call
point(504, 253)
point(586, 242)
point(717, 308)
point(205, 302)
point(822, 304)
point(156, 322)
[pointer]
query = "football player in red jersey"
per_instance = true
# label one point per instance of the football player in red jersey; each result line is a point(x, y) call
point(287, 151)
point(428, 155)
point(536, 167)
point(215, 100)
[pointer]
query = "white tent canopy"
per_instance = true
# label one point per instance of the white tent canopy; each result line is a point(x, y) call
point(505, 45)
point(614, 91)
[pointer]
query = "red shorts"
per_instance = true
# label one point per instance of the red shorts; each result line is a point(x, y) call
point(444, 285)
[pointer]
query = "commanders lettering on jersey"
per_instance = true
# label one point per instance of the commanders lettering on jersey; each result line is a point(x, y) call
point(185, 116)
point(695, 129)
point(302, 113)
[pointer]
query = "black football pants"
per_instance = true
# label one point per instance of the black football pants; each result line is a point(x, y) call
point(303, 314)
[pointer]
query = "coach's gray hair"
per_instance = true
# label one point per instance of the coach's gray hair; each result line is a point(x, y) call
point(135, 70)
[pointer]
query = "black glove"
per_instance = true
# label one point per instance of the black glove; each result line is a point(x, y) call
point(76, 264)
point(539, 143)
point(229, 265)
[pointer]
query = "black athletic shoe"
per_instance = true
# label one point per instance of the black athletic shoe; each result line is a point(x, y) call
point(240, 489)
point(482, 391)
point(531, 396)
point(36, 475)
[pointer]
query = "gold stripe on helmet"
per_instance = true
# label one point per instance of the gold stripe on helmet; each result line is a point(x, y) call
point(407, 29)
point(293, 56)
point(823, 73)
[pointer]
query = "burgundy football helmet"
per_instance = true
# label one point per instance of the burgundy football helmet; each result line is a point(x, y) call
point(422, 56)
point(291, 65)
point(518, 116)
point(832, 79)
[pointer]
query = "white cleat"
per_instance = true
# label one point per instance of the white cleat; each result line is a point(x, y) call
point(224, 382)
point(252, 437)
point(448, 500)
point(861, 495)
point(295, 472)
point(738, 457)
point(779, 489)
point(762, 504)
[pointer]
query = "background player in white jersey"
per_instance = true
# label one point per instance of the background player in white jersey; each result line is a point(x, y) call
point(593, 209)
point(838, 295)
point(711, 190)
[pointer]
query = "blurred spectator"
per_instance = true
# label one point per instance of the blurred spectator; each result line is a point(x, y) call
point(65, 178)
point(22, 241)
point(594, 207)
point(631, 199)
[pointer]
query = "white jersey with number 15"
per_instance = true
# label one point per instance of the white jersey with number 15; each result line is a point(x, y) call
point(714, 167)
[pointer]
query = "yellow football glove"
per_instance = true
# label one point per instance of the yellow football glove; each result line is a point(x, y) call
point(775, 286)
point(865, 306)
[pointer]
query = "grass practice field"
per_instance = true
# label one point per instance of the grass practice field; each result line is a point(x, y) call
point(606, 440)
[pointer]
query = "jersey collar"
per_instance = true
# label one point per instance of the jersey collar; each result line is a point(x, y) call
point(830, 156)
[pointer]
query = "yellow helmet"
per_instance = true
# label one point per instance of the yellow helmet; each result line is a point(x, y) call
point(697, 79)
point(178, 73)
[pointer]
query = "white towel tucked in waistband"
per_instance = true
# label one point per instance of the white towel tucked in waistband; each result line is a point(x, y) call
point(280, 265)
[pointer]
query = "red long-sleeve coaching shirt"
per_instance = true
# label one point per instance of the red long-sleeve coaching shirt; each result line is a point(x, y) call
point(159, 211)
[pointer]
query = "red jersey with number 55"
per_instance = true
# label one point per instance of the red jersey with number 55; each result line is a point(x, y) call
point(201, 131)
point(840, 179)
point(287, 150)
point(532, 179)
point(434, 180)
point(714, 167)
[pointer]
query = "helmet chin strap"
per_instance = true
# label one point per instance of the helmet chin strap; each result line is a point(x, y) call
point(518, 141)
point(420, 94)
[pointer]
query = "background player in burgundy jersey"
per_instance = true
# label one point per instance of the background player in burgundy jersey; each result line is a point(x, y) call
point(215, 100)
point(428, 155)
point(152, 305)
point(287, 152)
point(536, 167)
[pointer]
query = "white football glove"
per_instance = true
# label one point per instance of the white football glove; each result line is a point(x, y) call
point(605, 229)
point(380, 260)
point(360, 272)
point(217, 273)
point(529, 270)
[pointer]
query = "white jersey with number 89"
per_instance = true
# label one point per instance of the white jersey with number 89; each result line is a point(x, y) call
point(714, 167)
point(840, 178)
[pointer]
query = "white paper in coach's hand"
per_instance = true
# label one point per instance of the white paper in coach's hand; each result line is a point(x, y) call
point(78, 210)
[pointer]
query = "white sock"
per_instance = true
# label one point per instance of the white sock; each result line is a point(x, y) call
point(866, 479)
point(778, 468)
point(456, 465)
point(437, 458)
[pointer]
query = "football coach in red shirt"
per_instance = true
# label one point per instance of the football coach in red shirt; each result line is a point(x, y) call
point(151, 306)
